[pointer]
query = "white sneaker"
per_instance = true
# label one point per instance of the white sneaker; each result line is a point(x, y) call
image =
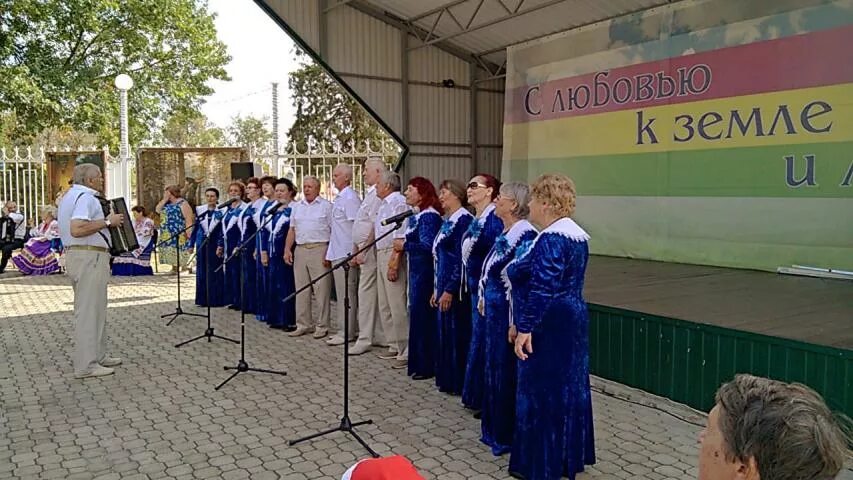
point(358, 349)
point(98, 371)
point(335, 340)
point(110, 362)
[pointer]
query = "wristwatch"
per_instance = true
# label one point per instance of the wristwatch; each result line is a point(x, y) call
point(107, 222)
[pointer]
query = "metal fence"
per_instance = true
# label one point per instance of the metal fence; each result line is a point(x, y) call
point(24, 171)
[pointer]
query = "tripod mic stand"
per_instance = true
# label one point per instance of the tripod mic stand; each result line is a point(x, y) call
point(242, 365)
point(346, 425)
point(178, 310)
point(208, 333)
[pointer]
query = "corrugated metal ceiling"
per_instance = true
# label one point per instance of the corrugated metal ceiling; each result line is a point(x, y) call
point(489, 26)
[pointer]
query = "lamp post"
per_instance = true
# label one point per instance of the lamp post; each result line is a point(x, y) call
point(123, 83)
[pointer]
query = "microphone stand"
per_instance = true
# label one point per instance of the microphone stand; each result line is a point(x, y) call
point(208, 333)
point(242, 365)
point(178, 310)
point(346, 425)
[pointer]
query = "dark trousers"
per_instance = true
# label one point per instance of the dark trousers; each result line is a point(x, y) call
point(8, 248)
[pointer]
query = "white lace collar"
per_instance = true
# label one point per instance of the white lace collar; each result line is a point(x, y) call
point(567, 227)
point(412, 224)
point(469, 242)
point(513, 236)
point(459, 213)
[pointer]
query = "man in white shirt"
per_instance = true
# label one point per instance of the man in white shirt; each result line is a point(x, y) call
point(362, 234)
point(310, 230)
point(84, 234)
point(391, 271)
point(344, 212)
point(15, 221)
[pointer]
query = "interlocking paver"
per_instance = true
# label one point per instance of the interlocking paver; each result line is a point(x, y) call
point(159, 416)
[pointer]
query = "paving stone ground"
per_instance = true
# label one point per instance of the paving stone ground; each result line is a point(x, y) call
point(159, 416)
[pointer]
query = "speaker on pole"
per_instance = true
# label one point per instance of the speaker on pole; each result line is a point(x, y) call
point(245, 170)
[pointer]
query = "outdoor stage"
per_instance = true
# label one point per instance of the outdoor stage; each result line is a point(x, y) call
point(680, 330)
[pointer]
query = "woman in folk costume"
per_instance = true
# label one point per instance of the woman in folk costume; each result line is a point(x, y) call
point(208, 225)
point(176, 219)
point(478, 240)
point(248, 227)
point(421, 231)
point(454, 310)
point(262, 276)
point(39, 255)
point(553, 435)
point(229, 242)
point(498, 419)
point(280, 316)
point(138, 262)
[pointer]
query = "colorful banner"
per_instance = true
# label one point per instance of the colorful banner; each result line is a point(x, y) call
point(725, 116)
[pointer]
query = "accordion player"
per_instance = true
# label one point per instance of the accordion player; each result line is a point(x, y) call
point(122, 237)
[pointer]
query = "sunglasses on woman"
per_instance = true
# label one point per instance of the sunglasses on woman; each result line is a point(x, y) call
point(476, 185)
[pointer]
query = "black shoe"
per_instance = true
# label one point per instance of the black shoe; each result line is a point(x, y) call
point(478, 414)
point(421, 377)
point(516, 475)
point(278, 327)
point(290, 328)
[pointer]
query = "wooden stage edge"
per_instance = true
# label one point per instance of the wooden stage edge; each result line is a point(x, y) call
point(812, 310)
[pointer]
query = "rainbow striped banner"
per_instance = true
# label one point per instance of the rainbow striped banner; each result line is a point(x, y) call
point(726, 145)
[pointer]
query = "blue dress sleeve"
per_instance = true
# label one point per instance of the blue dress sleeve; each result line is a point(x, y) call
point(451, 282)
point(197, 235)
point(549, 260)
point(428, 227)
point(264, 237)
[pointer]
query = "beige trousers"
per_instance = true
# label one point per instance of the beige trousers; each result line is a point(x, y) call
point(308, 265)
point(89, 272)
point(393, 305)
point(369, 330)
point(353, 301)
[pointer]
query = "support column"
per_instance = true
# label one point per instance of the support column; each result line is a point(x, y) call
point(404, 93)
point(472, 92)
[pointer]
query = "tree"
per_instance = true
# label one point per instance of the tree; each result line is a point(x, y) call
point(249, 132)
point(190, 128)
point(58, 60)
point(325, 112)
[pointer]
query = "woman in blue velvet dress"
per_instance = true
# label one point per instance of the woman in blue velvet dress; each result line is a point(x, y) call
point(208, 224)
point(454, 309)
point(478, 240)
point(280, 316)
point(229, 242)
point(498, 419)
point(248, 263)
point(262, 270)
point(420, 235)
point(553, 420)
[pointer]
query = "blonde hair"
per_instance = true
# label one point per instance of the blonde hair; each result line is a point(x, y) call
point(557, 190)
point(48, 210)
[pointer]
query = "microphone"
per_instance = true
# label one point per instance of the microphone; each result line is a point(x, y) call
point(274, 208)
point(397, 218)
point(227, 203)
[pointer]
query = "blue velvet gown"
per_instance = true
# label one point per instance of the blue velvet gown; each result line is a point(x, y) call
point(554, 435)
point(282, 283)
point(262, 273)
point(454, 325)
point(423, 329)
point(498, 420)
point(476, 243)
point(229, 241)
point(248, 227)
point(208, 225)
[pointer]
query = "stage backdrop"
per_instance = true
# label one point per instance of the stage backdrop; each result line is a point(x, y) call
point(714, 132)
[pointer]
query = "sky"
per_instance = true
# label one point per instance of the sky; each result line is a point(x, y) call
point(261, 53)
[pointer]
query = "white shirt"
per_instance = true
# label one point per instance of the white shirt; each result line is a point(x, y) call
point(344, 212)
point(393, 204)
point(86, 207)
point(20, 225)
point(366, 216)
point(312, 221)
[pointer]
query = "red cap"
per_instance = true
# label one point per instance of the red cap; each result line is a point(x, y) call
point(388, 468)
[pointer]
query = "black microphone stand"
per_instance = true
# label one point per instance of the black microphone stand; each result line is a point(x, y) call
point(346, 424)
point(178, 310)
point(208, 333)
point(242, 365)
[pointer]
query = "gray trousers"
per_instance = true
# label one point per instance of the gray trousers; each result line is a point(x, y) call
point(393, 304)
point(89, 272)
point(308, 265)
point(369, 330)
point(353, 301)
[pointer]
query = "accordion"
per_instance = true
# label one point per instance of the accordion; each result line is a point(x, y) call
point(7, 230)
point(122, 237)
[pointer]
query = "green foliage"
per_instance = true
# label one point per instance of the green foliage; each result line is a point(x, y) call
point(325, 113)
point(249, 132)
point(59, 58)
point(190, 128)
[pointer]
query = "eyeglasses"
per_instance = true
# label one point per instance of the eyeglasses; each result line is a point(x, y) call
point(476, 185)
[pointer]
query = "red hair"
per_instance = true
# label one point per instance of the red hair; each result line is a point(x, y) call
point(254, 180)
point(426, 190)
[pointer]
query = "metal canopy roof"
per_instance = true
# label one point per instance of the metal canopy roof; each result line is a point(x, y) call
point(483, 29)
